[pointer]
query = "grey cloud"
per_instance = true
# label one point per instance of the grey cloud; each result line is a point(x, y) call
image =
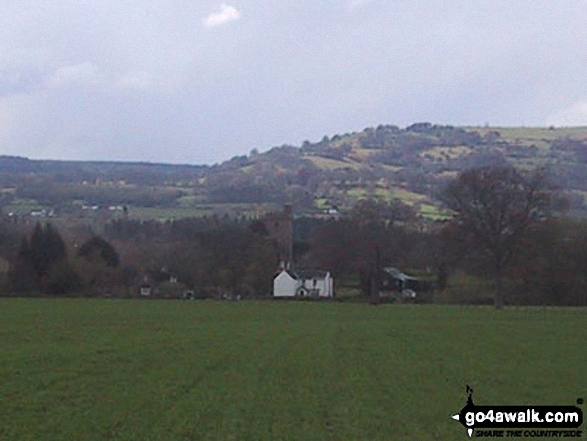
point(149, 81)
point(17, 81)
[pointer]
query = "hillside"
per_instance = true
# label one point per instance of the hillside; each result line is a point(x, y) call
point(386, 162)
point(411, 164)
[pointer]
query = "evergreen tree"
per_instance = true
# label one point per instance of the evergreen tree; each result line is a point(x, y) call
point(47, 249)
point(22, 273)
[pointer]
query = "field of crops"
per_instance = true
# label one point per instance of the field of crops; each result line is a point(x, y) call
point(75, 369)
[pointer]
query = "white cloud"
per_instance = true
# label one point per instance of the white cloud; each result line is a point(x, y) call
point(226, 15)
point(354, 4)
point(574, 115)
point(135, 80)
point(79, 74)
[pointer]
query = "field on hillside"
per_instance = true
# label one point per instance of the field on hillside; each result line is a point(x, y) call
point(204, 370)
point(535, 133)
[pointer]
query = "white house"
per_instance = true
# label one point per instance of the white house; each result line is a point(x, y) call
point(297, 284)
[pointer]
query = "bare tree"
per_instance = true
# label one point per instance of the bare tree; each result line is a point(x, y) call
point(495, 208)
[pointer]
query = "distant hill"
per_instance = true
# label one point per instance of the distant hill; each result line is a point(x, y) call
point(73, 171)
point(411, 164)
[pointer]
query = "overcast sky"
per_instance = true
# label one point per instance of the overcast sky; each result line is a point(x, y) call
point(198, 81)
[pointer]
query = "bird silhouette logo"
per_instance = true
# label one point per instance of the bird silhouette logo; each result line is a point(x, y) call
point(468, 407)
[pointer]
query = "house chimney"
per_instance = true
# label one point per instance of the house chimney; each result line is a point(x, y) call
point(288, 210)
point(288, 214)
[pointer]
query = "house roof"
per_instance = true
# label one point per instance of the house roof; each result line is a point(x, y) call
point(291, 274)
point(305, 274)
point(310, 274)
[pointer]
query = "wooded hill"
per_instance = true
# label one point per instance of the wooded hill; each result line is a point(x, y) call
point(411, 164)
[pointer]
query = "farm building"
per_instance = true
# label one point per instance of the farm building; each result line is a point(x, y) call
point(395, 284)
point(300, 284)
point(393, 279)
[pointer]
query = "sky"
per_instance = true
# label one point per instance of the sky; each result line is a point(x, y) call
point(199, 81)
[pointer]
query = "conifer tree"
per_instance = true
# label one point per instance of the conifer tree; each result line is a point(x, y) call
point(22, 273)
point(47, 249)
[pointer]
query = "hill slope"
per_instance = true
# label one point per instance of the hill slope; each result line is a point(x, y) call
point(411, 164)
point(386, 162)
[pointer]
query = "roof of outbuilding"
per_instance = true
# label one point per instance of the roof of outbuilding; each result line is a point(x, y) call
point(397, 274)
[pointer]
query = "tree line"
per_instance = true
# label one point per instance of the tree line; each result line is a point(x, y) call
point(508, 228)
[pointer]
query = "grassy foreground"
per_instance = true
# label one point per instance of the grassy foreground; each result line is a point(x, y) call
point(169, 370)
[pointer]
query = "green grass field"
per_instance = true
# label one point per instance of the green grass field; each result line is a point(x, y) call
point(200, 210)
point(75, 369)
point(23, 206)
point(332, 164)
point(535, 133)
